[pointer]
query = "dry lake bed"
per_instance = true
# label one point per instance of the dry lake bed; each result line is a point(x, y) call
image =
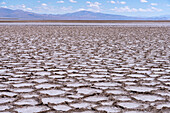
point(84, 69)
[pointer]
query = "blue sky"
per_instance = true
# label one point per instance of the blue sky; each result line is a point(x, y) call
point(142, 8)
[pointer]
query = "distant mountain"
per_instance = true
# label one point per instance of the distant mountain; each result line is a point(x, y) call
point(87, 15)
point(8, 13)
point(81, 15)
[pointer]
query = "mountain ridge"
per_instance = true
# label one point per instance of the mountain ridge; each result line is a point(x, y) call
point(80, 15)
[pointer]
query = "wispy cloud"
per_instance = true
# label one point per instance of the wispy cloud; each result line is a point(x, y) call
point(117, 2)
point(124, 9)
point(81, 9)
point(113, 2)
point(43, 4)
point(60, 1)
point(4, 6)
point(21, 7)
point(122, 2)
point(154, 4)
point(156, 9)
point(127, 9)
point(94, 5)
point(67, 8)
point(73, 1)
point(3, 3)
point(143, 1)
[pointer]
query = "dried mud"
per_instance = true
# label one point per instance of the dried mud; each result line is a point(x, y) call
point(87, 69)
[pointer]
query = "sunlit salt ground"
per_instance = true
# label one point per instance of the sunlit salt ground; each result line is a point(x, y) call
point(84, 69)
point(96, 24)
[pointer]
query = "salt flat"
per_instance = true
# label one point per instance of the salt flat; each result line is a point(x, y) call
point(141, 24)
point(86, 69)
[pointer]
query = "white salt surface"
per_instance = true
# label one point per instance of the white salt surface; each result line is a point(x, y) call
point(140, 88)
point(4, 107)
point(95, 98)
point(136, 75)
point(32, 109)
point(55, 100)
point(52, 92)
point(116, 92)
point(23, 85)
point(88, 90)
point(5, 100)
point(82, 105)
point(46, 86)
point(62, 108)
point(109, 109)
point(8, 94)
point(131, 105)
point(150, 98)
point(26, 102)
point(97, 24)
point(43, 73)
point(107, 84)
point(163, 105)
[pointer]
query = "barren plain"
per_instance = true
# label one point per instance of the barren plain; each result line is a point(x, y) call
point(84, 69)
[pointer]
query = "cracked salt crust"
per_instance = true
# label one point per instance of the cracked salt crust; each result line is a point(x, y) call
point(84, 69)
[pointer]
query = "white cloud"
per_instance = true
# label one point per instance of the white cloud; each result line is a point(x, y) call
point(4, 6)
point(156, 9)
point(122, 2)
point(89, 9)
point(117, 2)
point(29, 9)
point(67, 8)
point(124, 9)
point(145, 10)
point(94, 5)
point(168, 5)
point(81, 9)
point(73, 1)
point(60, 1)
point(43, 4)
point(23, 6)
point(154, 4)
point(3, 3)
point(127, 9)
point(113, 2)
point(143, 1)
